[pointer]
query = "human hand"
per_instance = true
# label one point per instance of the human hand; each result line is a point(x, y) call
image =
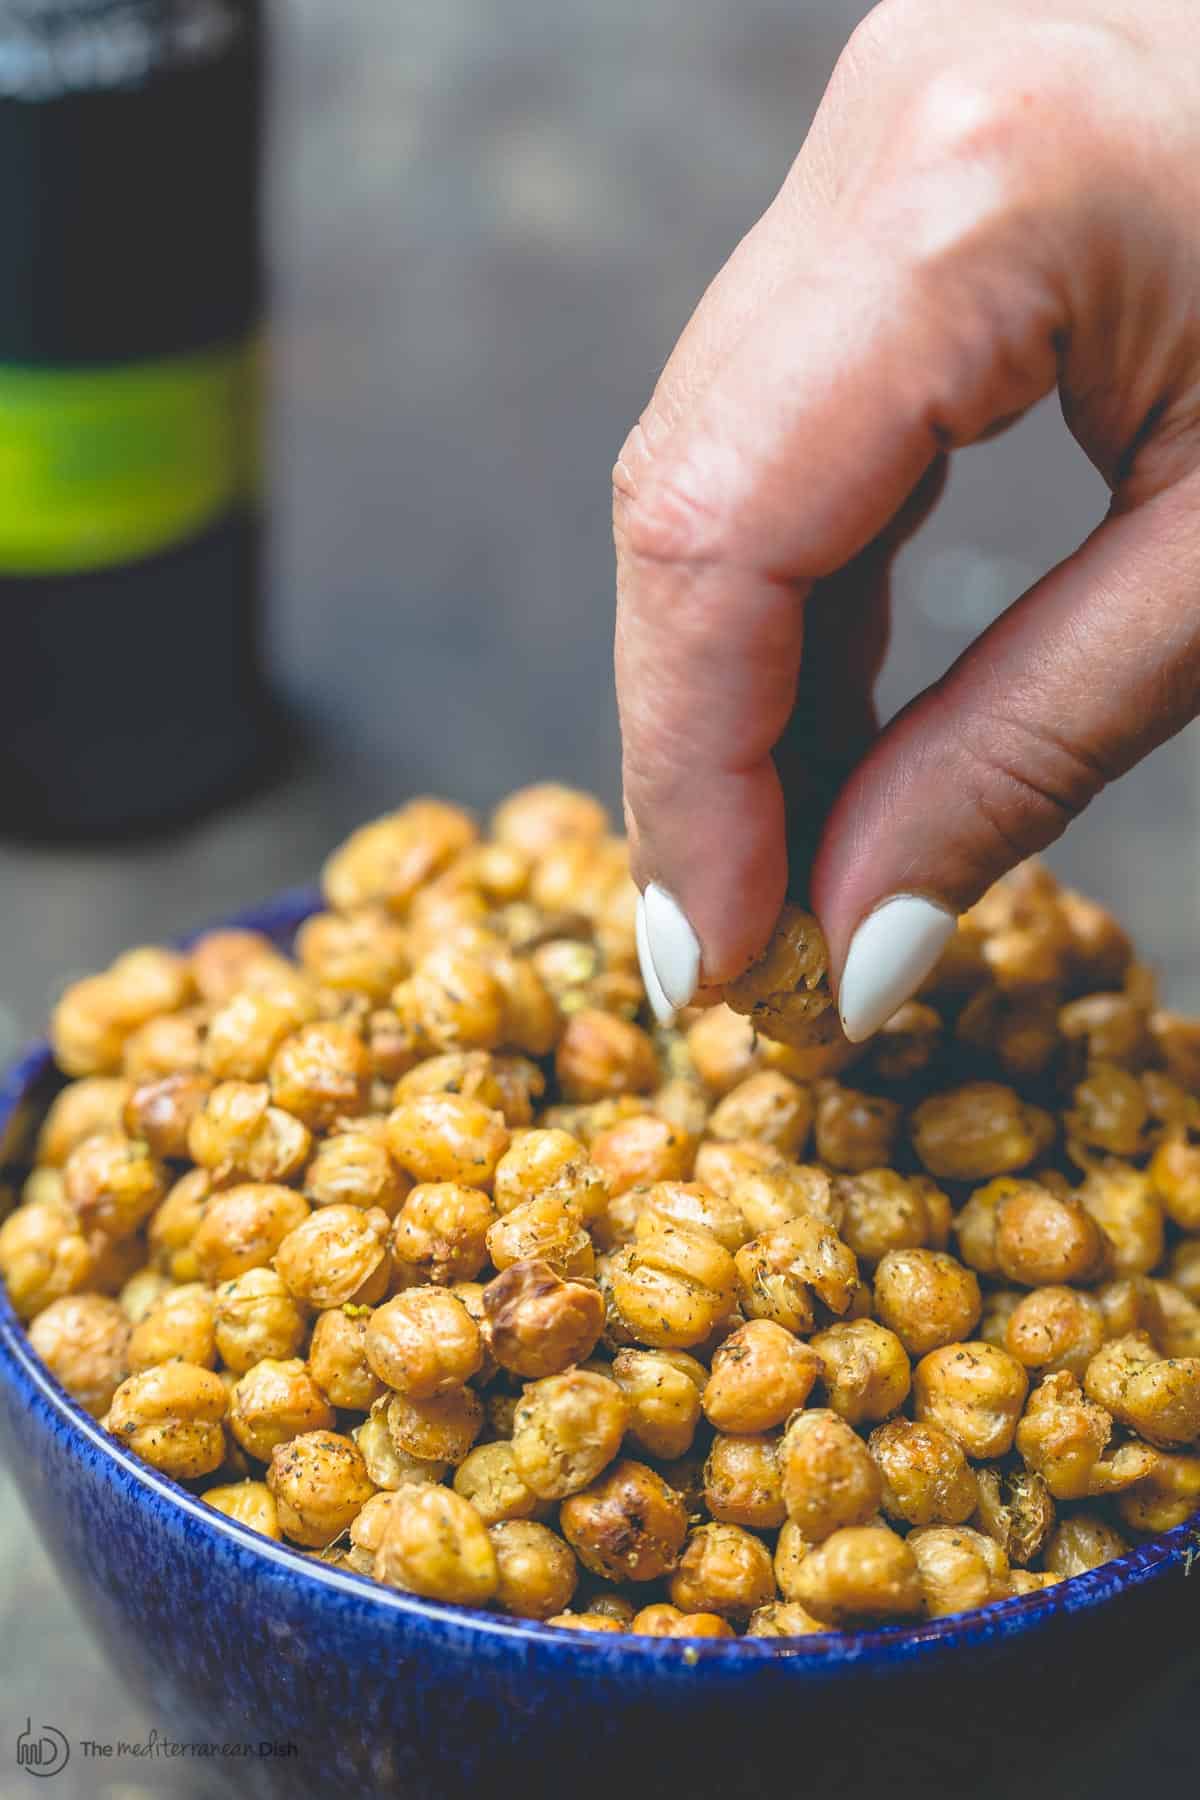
point(994, 200)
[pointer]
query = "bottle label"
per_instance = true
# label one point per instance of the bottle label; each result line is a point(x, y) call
point(104, 465)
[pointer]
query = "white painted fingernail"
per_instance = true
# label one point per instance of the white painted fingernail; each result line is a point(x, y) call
point(664, 1012)
point(674, 946)
point(890, 955)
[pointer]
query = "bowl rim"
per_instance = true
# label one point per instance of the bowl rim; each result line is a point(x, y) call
point(1151, 1560)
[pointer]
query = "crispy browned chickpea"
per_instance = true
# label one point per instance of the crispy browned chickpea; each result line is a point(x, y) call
point(742, 1483)
point(1179, 1331)
point(275, 1401)
point(599, 1054)
point(386, 861)
point(1133, 1304)
point(141, 1291)
point(174, 1223)
point(1167, 1497)
point(440, 1234)
point(43, 1255)
point(766, 1198)
point(662, 1620)
point(1175, 1176)
point(1082, 1542)
point(447, 1138)
point(538, 1324)
point(337, 1359)
point(113, 1183)
point(242, 1228)
point(179, 1326)
point(83, 1339)
point(724, 1048)
point(779, 1272)
point(222, 961)
point(906, 1044)
point(160, 1112)
point(550, 1162)
point(171, 1417)
point(1016, 1508)
point(973, 1390)
point(387, 1465)
point(791, 1547)
point(688, 1203)
point(456, 999)
point(673, 1284)
point(439, 1429)
point(434, 1543)
point(1109, 1111)
point(585, 1621)
point(884, 1211)
point(829, 1477)
point(761, 1374)
point(1055, 1328)
point(767, 1107)
point(1156, 1396)
point(1063, 1436)
point(537, 1571)
point(536, 818)
point(1185, 1269)
point(488, 1478)
point(248, 1028)
point(854, 1131)
point(547, 1229)
point(724, 1167)
point(172, 1044)
point(926, 1297)
point(363, 952)
point(1130, 1215)
point(1032, 1581)
point(663, 1388)
point(337, 1255)
point(423, 1342)
point(319, 1482)
point(783, 1619)
point(83, 1108)
point(628, 1525)
point(926, 1477)
point(256, 1318)
point(861, 1572)
point(1108, 1028)
point(566, 1429)
point(973, 1132)
point(865, 1370)
point(239, 1136)
point(321, 1074)
point(637, 1151)
point(251, 1503)
point(355, 1168)
point(95, 1016)
point(786, 992)
point(959, 1568)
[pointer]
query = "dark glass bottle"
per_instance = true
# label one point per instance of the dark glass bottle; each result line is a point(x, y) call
point(131, 691)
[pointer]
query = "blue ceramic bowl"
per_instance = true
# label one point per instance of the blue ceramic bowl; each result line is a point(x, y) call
point(234, 1639)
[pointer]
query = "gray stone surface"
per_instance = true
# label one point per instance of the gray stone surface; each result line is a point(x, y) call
point(489, 223)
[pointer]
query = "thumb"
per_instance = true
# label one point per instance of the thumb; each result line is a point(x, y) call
point(1094, 667)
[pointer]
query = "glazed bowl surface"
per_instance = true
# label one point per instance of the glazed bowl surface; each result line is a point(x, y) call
point(332, 1679)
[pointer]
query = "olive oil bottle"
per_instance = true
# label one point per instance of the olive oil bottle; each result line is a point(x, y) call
point(131, 691)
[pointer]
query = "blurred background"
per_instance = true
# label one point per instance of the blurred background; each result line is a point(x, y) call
point(486, 226)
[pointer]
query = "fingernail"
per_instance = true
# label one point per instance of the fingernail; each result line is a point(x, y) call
point(890, 955)
point(663, 1011)
point(673, 947)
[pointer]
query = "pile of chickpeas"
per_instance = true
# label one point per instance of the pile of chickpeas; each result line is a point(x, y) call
point(427, 1253)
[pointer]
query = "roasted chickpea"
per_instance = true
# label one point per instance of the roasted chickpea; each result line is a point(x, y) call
point(688, 1203)
point(1109, 1112)
point(441, 1428)
point(767, 1107)
point(82, 1110)
point(662, 1620)
point(160, 1112)
point(926, 1477)
point(221, 962)
point(171, 1417)
point(172, 1044)
point(1016, 1508)
point(1156, 1396)
point(337, 1359)
point(673, 1284)
point(355, 1168)
point(83, 1339)
point(1063, 1437)
point(883, 1211)
point(423, 1342)
point(535, 819)
point(363, 952)
point(628, 1525)
point(239, 1136)
point(742, 1483)
point(249, 1502)
point(1179, 1327)
point(860, 1573)
point(637, 1151)
point(178, 1327)
point(388, 1466)
point(585, 1621)
point(1174, 1174)
point(113, 1183)
point(386, 861)
point(779, 1272)
point(854, 1131)
point(566, 1429)
point(95, 1016)
point(959, 1568)
point(1082, 1542)
point(973, 1390)
point(722, 1166)
point(447, 1138)
point(337, 1255)
point(783, 1619)
point(829, 1477)
point(440, 1234)
point(973, 1132)
point(663, 1388)
point(1167, 1497)
point(927, 1298)
point(1055, 1328)
point(1044, 1237)
point(905, 1045)
point(256, 1318)
point(1130, 1216)
point(1185, 1269)
point(538, 1324)
point(724, 1048)
point(488, 1478)
point(140, 1292)
point(760, 1375)
point(537, 1571)
point(545, 1229)
point(43, 1255)
point(321, 1074)
point(173, 1225)
point(599, 1054)
point(319, 1482)
point(273, 1402)
point(864, 1368)
point(248, 1028)
point(242, 1228)
point(540, 1163)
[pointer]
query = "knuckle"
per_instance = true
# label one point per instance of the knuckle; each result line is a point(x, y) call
point(662, 512)
point(1029, 782)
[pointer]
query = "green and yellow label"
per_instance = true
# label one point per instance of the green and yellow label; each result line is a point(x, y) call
point(105, 465)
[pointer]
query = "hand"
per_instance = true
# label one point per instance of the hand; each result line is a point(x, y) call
point(994, 199)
